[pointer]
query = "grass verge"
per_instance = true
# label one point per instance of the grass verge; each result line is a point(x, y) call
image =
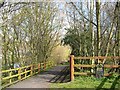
point(111, 82)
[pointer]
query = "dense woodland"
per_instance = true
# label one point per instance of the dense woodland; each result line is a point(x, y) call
point(30, 31)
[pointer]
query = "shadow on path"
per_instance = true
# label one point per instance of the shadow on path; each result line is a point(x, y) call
point(62, 76)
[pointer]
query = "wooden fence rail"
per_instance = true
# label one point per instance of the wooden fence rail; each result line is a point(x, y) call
point(98, 57)
point(73, 65)
point(12, 76)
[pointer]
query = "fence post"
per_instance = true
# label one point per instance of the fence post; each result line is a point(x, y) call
point(47, 62)
point(19, 73)
point(71, 67)
point(44, 65)
point(25, 72)
point(38, 67)
point(31, 70)
point(10, 74)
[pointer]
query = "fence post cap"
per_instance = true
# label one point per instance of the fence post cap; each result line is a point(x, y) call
point(71, 55)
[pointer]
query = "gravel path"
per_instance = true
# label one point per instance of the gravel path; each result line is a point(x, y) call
point(41, 80)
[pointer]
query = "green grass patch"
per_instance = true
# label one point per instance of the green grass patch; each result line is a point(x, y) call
point(91, 82)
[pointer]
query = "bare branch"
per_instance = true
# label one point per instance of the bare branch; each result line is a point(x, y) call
point(82, 14)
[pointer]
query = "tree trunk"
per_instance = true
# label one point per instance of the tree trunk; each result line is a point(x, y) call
point(118, 27)
point(98, 26)
point(92, 32)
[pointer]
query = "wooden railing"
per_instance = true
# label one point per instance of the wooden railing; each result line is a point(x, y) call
point(73, 65)
point(12, 76)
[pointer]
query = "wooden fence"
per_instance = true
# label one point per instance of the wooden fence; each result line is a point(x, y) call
point(73, 65)
point(12, 76)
